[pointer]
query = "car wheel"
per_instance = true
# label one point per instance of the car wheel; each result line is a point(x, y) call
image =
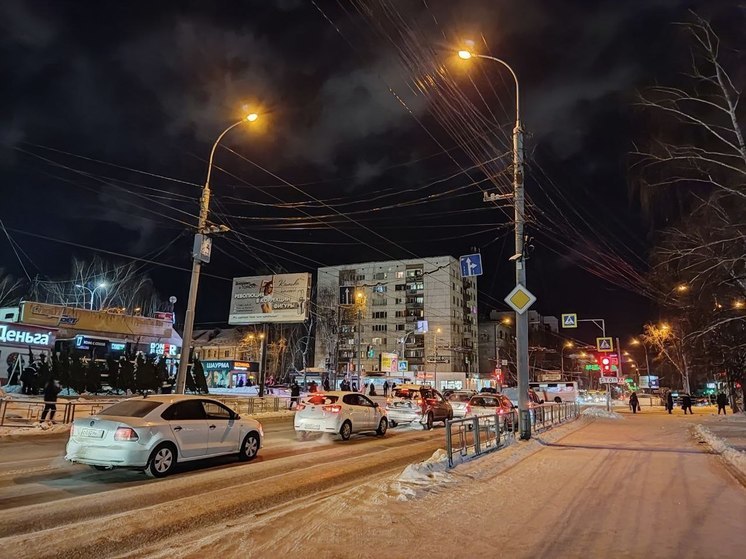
point(393, 423)
point(428, 422)
point(249, 447)
point(301, 435)
point(102, 468)
point(162, 461)
point(383, 426)
point(346, 431)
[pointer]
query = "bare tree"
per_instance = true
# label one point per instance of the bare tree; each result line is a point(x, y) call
point(101, 285)
point(326, 312)
point(669, 341)
point(10, 289)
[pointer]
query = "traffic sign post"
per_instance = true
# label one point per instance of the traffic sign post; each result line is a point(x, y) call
point(609, 380)
point(570, 320)
point(471, 265)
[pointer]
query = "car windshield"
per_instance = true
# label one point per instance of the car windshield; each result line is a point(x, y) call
point(456, 397)
point(406, 393)
point(131, 408)
point(485, 401)
point(321, 399)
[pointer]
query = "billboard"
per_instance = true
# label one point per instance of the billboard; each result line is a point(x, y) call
point(280, 298)
point(56, 316)
point(389, 362)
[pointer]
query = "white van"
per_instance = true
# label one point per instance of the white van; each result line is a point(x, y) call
point(556, 391)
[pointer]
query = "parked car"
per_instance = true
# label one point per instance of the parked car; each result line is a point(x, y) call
point(411, 403)
point(534, 402)
point(342, 413)
point(491, 404)
point(154, 433)
point(458, 400)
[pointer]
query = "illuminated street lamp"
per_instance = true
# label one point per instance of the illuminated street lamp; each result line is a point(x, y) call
point(519, 257)
point(201, 253)
point(566, 345)
point(682, 288)
point(101, 285)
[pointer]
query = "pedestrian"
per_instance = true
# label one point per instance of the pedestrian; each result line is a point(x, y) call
point(722, 400)
point(372, 390)
point(385, 388)
point(669, 402)
point(313, 387)
point(393, 385)
point(294, 394)
point(686, 404)
point(327, 386)
point(634, 403)
point(354, 386)
point(51, 390)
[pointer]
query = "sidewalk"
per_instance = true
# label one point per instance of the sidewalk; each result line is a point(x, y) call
point(731, 428)
point(639, 486)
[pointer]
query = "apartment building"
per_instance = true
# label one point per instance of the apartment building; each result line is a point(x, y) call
point(422, 310)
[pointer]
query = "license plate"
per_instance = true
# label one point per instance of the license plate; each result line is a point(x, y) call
point(312, 425)
point(92, 433)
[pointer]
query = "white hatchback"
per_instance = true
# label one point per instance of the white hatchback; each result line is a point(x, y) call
point(342, 413)
point(153, 433)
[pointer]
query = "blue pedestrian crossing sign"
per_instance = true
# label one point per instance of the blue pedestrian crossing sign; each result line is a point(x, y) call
point(570, 320)
point(471, 265)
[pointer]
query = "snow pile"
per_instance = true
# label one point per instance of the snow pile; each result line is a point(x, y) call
point(34, 429)
point(733, 457)
point(602, 413)
point(431, 470)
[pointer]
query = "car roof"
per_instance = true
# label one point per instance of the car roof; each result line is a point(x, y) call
point(339, 393)
point(410, 386)
point(171, 398)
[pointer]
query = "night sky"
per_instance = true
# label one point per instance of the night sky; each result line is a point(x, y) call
point(109, 110)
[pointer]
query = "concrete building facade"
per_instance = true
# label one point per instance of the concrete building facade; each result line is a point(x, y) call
point(422, 310)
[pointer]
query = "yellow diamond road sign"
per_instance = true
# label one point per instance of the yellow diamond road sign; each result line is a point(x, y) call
point(520, 299)
point(604, 344)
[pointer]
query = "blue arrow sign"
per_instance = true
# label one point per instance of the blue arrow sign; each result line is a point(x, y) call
point(471, 265)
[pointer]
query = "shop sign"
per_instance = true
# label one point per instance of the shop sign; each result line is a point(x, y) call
point(217, 365)
point(43, 314)
point(281, 298)
point(84, 342)
point(117, 346)
point(163, 349)
point(15, 334)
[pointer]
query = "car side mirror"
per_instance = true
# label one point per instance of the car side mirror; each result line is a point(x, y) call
point(236, 417)
point(541, 401)
point(375, 405)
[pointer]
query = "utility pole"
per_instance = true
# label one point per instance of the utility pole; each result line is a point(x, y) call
point(201, 253)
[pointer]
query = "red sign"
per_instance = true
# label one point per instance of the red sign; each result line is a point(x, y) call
point(164, 316)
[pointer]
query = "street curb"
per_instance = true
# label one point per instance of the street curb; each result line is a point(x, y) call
point(728, 456)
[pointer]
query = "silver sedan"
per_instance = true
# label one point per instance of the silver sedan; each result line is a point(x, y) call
point(153, 433)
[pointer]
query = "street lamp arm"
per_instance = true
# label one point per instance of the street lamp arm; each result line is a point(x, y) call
point(515, 79)
point(215, 147)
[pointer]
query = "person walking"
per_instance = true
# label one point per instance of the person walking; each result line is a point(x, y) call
point(385, 388)
point(51, 390)
point(294, 394)
point(372, 390)
point(634, 403)
point(669, 402)
point(686, 404)
point(722, 401)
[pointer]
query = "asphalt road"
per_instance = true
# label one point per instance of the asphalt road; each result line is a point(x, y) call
point(91, 513)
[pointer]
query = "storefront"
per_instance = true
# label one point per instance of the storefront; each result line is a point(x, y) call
point(17, 340)
point(230, 374)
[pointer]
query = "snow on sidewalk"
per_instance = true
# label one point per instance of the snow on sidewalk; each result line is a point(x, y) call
point(733, 457)
point(600, 412)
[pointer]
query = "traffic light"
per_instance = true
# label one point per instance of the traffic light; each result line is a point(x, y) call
point(371, 352)
point(606, 366)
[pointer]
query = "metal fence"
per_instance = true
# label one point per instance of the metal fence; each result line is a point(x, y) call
point(477, 435)
point(22, 413)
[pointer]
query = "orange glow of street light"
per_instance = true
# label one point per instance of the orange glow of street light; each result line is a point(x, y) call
point(464, 54)
point(251, 117)
point(738, 304)
point(682, 288)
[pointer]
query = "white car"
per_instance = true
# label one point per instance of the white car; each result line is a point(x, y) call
point(153, 433)
point(459, 400)
point(342, 413)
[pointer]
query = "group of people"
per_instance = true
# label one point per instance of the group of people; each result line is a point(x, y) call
point(686, 403)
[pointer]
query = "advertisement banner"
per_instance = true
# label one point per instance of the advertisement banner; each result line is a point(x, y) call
point(281, 298)
point(389, 362)
point(57, 316)
point(19, 335)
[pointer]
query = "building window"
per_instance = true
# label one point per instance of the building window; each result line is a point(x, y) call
point(227, 353)
point(380, 314)
point(400, 287)
point(398, 301)
point(379, 328)
point(360, 277)
point(399, 275)
point(401, 314)
point(400, 326)
point(380, 276)
point(377, 341)
point(379, 302)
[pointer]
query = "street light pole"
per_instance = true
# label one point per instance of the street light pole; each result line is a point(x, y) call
point(519, 202)
point(204, 209)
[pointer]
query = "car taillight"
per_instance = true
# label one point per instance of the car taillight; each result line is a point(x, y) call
point(332, 409)
point(125, 434)
point(468, 408)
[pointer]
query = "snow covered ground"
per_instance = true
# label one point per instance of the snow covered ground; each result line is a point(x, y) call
point(593, 488)
point(735, 458)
